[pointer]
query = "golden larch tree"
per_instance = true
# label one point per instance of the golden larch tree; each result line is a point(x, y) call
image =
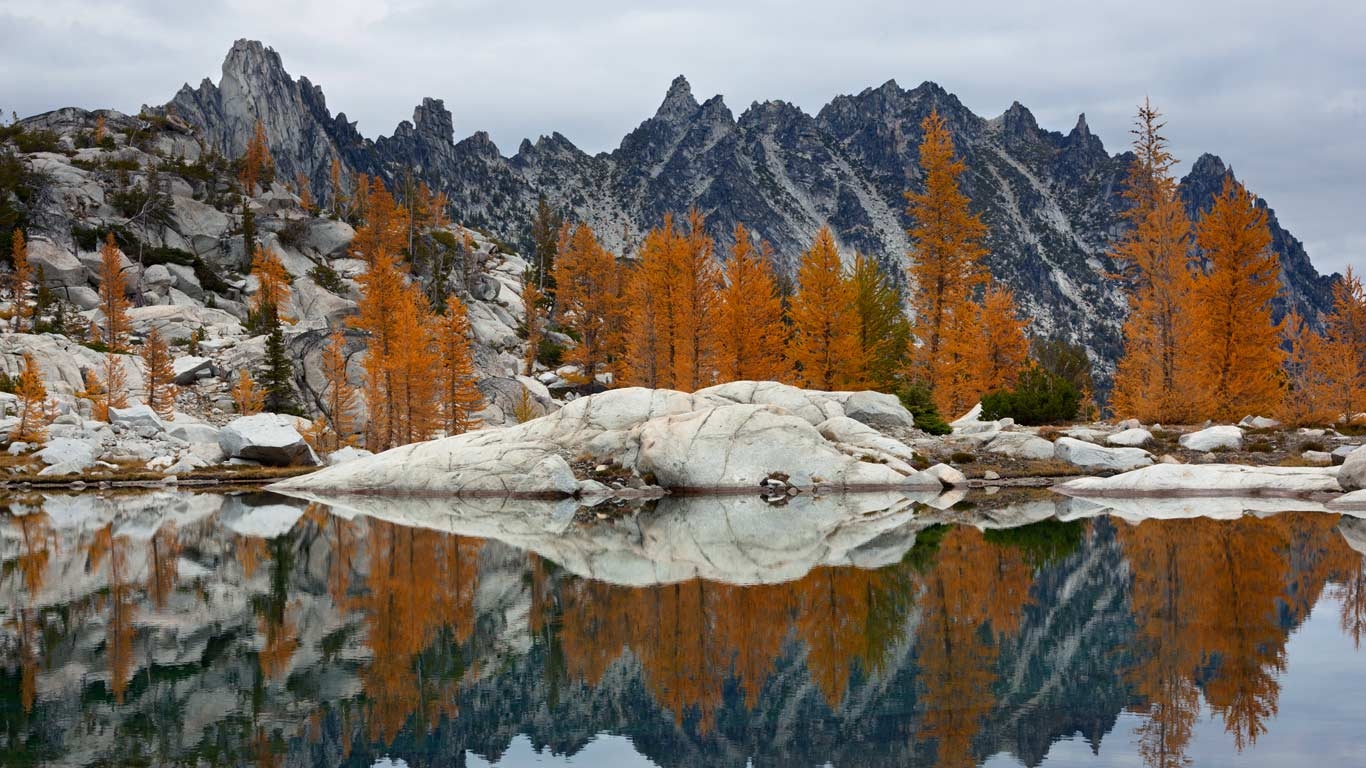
point(460, 395)
point(159, 376)
point(337, 422)
point(824, 349)
point(413, 392)
point(750, 334)
point(272, 283)
point(1003, 343)
point(946, 247)
point(338, 193)
point(257, 163)
point(534, 301)
point(1237, 355)
point(113, 297)
point(20, 279)
point(1327, 373)
point(36, 410)
point(1153, 380)
point(698, 294)
point(305, 192)
point(247, 395)
point(586, 298)
point(110, 388)
point(651, 338)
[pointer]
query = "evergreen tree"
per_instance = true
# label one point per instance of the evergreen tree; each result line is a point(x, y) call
point(460, 395)
point(881, 326)
point(277, 374)
point(545, 234)
point(587, 300)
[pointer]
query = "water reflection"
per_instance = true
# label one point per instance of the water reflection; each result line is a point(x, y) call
point(174, 627)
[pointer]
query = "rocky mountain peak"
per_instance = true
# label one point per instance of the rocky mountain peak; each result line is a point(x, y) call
point(1081, 129)
point(1019, 122)
point(434, 122)
point(1210, 167)
point(678, 102)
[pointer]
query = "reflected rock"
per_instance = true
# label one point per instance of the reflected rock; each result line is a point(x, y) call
point(729, 539)
point(1137, 509)
point(1213, 479)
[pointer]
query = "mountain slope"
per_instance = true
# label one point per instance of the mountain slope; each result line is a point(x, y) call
point(1051, 199)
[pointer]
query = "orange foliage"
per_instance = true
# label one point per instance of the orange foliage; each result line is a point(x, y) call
point(109, 389)
point(1328, 372)
point(947, 247)
point(1154, 377)
point(247, 396)
point(339, 399)
point(460, 395)
point(533, 300)
point(113, 297)
point(272, 283)
point(257, 164)
point(751, 336)
point(824, 349)
point(1004, 348)
point(385, 231)
point(36, 410)
point(20, 278)
point(159, 376)
point(1237, 356)
point(586, 298)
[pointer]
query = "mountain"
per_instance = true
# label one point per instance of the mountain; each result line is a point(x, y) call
point(1051, 199)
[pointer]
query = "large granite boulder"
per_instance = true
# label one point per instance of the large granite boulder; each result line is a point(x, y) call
point(1352, 473)
point(1219, 438)
point(1092, 456)
point(270, 438)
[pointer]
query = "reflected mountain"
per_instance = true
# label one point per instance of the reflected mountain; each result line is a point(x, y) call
point(172, 627)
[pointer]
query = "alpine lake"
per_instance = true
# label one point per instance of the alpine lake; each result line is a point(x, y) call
point(1021, 628)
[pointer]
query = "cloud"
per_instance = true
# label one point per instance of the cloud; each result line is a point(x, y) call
point(1279, 95)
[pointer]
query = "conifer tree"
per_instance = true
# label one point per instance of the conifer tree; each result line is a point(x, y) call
point(699, 295)
point(305, 192)
point(533, 300)
point(110, 389)
point(258, 167)
point(246, 395)
point(947, 248)
point(113, 297)
point(1153, 380)
point(1327, 373)
point(36, 410)
point(958, 366)
point(881, 326)
point(586, 298)
point(545, 233)
point(277, 374)
point(751, 336)
point(414, 390)
point(272, 291)
point(159, 376)
point(460, 395)
point(336, 425)
point(99, 130)
point(651, 339)
point(385, 228)
point(249, 243)
point(1003, 344)
point(338, 193)
point(824, 350)
point(1237, 355)
point(20, 279)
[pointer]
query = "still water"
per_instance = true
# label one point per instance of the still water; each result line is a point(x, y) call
point(180, 628)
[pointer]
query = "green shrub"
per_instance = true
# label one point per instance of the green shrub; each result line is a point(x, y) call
point(1041, 543)
point(293, 233)
point(1039, 398)
point(961, 457)
point(916, 398)
point(1258, 446)
point(328, 279)
point(550, 354)
point(37, 141)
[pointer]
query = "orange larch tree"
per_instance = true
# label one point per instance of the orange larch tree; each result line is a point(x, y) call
point(159, 377)
point(824, 349)
point(36, 410)
point(258, 167)
point(272, 281)
point(460, 395)
point(651, 339)
point(1003, 343)
point(586, 298)
point(1328, 372)
point(20, 279)
point(1237, 355)
point(113, 297)
point(413, 392)
point(339, 398)
point(947, 248)
point(750, 334)
point(534, 301)
point(247, 395)
point(698, 294)
point(109, 389)
point(338, 193)
point(305, 192)
point(1153, 380)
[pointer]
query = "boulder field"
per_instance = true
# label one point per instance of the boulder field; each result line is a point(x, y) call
point(736, 436)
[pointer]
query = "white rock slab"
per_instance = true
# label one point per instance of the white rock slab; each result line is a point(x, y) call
point(1226, 479)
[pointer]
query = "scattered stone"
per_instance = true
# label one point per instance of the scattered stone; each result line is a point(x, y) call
point(68, 451)
point(1133, 437)
point(1233, 479)
point(1259, 422)
point(188, 369)
point(1221, 438)
point(947, 475)
point(1352, 474)
point(1092, 456)
point(137, 416)
point(1321, 458)
point(991, 475)
point(345, 454)
point(1021, 445)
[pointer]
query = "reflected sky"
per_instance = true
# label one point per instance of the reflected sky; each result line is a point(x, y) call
point(999, 630)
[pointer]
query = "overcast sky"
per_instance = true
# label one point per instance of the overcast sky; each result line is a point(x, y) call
point(1278, 89)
